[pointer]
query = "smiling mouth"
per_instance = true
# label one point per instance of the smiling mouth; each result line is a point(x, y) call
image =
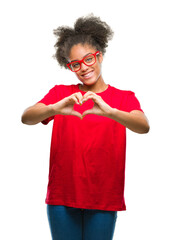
point(87, 75)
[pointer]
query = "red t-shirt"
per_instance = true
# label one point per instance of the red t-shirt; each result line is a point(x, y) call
point(87, 157)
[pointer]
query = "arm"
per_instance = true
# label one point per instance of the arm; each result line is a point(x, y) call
point(37, 113)
point(136, 120)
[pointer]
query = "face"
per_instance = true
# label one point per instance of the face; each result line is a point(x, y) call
point(88, 75)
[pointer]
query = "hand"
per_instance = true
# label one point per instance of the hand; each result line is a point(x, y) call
point(65, 106)
point(100, 106)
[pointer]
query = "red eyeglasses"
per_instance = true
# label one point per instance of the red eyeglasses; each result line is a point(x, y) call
point(89, 60)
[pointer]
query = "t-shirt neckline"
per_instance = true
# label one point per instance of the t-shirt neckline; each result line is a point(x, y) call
point(100, 93)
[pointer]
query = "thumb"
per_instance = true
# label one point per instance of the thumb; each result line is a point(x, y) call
point(87, 112)
point(77, 114)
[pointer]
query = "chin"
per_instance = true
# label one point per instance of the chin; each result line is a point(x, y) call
point(89, 82)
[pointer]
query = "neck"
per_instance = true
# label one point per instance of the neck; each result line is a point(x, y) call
point(99, 86)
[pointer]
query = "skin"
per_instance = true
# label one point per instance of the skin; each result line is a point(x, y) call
point(93, 83)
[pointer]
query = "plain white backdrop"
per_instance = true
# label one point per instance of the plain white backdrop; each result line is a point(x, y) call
point(137, 59)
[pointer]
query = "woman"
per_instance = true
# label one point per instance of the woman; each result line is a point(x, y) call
point(87, 158)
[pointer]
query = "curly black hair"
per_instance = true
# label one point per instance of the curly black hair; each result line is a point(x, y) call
point(87, 30)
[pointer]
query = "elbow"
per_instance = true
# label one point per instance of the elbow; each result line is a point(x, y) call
point(26, 120)
point(23, 120)
point(145, 129)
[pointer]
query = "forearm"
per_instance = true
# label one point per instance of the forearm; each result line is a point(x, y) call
point(37, 113)
point(135, 120)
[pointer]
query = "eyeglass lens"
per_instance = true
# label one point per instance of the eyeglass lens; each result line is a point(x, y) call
point(89, 60)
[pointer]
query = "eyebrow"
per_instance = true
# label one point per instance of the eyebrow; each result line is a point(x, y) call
point(82, 58)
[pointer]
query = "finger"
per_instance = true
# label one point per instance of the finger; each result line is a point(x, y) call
point(79, 97)
point(77, 114)
point(87, 112)
point(72, 99)
point(95, 98)
point(89, 93)
point(75, 99)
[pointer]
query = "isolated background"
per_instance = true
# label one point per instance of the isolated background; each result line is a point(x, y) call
point(137, 59)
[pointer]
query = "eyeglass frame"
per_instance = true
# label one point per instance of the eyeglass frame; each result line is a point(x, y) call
point(82, 61)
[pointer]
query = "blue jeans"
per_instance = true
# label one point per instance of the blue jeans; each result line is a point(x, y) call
point(68, 223)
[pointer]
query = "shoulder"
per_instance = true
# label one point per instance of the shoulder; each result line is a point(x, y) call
point(63, 90)
point(126, 99)
point(63, 87)
point(121, 92)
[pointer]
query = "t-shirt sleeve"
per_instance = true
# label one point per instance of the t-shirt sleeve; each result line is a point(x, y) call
point(131, 103)
point(49, 98)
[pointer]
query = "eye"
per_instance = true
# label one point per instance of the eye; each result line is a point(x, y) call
point(75, 65)
point(89, 59)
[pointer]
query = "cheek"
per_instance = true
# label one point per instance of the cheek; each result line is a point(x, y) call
point(98, 68)
point(78, 75)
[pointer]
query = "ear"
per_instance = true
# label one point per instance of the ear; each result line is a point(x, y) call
point(100, 57)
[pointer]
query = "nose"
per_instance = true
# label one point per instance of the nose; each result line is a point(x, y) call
point(83, 67)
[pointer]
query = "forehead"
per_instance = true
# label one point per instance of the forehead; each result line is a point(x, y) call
point(79, 51)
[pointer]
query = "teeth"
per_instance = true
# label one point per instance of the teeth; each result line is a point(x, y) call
point(88, 74)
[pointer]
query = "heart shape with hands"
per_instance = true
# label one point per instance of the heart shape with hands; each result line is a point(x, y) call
point(77, 103)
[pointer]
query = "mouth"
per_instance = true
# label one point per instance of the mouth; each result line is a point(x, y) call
point(88, 75)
